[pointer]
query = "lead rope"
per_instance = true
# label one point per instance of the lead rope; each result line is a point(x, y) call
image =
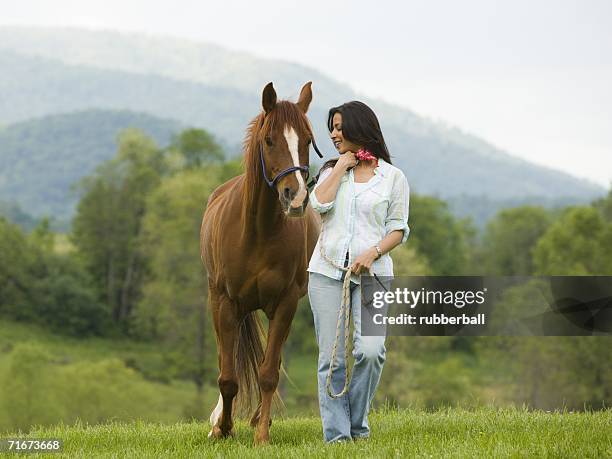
point(345, 309)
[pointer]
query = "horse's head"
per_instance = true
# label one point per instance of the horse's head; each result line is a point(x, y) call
point(284, 140)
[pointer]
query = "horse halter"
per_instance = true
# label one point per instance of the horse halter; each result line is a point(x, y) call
point(289, 170)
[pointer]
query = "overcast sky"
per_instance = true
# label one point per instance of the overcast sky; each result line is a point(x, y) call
point(532, 77)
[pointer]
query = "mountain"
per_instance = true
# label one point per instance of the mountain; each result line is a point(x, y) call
point(34, 87)
point(50, 71)
point(42, 158)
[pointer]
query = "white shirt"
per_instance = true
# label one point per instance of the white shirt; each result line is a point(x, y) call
point(359, 217)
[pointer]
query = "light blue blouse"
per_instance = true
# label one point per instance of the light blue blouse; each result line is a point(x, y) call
point(359, 219)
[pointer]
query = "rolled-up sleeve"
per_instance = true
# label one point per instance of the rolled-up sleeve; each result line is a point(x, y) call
point(314, 202)
point(397, 215)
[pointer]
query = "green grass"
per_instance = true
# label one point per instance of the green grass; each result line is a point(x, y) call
point(484, 432)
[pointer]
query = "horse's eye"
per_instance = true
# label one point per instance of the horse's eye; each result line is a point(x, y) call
point(268, 140)
point(309, 141)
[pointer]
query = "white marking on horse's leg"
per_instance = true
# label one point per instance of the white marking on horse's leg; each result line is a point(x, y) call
point(214, 416)
point(292, 142)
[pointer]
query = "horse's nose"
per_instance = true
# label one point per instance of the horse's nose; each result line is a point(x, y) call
point(288, 194)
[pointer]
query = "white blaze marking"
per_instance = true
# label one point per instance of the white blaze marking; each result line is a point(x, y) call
point(292, 142)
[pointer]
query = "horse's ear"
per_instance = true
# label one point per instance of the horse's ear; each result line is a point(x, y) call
point(305, 97)
point(268, 98)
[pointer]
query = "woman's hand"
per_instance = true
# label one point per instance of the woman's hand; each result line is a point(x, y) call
point(346, 161)
point(364, 261)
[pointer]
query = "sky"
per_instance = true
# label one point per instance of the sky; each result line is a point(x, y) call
point(531, 77)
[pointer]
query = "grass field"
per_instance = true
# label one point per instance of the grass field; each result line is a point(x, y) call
point(165, 431)
point(445, 433)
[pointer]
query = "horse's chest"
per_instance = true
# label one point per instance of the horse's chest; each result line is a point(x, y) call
point(271, 284)
point(258, 288)
point(261, 274)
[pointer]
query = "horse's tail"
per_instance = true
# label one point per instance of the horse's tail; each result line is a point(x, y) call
point(249, 355)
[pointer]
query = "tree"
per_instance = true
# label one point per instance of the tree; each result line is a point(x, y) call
point(407, 262)
point(16, 260)
point(38, 285)
point(65, 301)
point(438, 236)
point(197, 147)
point(510, 239)
point(108, 222)
point(173, 304)
point(604, 205)
point(578, 244)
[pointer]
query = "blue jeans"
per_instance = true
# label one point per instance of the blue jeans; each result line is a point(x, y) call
point(345, 417)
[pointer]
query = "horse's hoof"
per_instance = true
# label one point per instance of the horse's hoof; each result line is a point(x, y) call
point(261, 440)
point(216, 433)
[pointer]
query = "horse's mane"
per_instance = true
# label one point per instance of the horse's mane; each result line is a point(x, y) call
point(284, 113)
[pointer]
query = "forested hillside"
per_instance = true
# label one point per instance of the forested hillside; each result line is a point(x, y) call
point(41, 160)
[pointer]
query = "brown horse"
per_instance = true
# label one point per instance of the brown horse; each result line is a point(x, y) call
point(257, 236)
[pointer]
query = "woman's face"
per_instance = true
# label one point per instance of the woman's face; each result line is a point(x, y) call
point(341, 144)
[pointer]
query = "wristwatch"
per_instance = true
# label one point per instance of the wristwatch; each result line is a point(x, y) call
point(378, 250)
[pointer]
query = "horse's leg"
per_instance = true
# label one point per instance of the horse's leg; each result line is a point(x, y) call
point(256, 414)
point(255, 417)
point(227, 322)
point(213, 302)
point(269, 369)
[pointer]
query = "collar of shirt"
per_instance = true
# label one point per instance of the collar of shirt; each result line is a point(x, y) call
point(380, 172)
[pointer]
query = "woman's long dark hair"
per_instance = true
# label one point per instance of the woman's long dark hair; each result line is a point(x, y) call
point(359, 126)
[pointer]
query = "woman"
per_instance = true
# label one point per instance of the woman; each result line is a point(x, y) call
point(364, 211)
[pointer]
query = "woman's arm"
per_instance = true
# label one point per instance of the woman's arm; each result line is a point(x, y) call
point(325, 193)
point(364, 261)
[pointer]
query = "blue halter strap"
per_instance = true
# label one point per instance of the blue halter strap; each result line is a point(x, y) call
point(289, 170)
